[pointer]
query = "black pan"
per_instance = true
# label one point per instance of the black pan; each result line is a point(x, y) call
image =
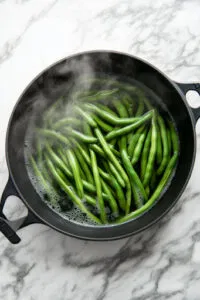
point(51, 83)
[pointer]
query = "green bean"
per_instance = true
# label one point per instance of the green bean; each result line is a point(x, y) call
point(105, 175)
point(76, 171)
point(134, 140)
point(54, 135)
point(86, 116)
point(98, 186)
point(106, 127)
point(65, 122)
point(69, 191)
point(115, 83)
point(101, 152)
point(125, 130)
point(129, 137)
point(165, 146)
point(134, 179)
point(122, 111)
point(83, 175)
point(117, 175)
point(45, 173)
point(87, 129)
point(113, 142)
point(82, 150)
point(107, 109)
point(85, 153)
point(120, 194)
point(90, 200)
point(121, 108)
point(41, 165)
point(81, 94)
point(44, 183)
point(57, 160)
point(61, 154)
point(95, 147)
point(132, 173)
point(111, 191)
point(111, 168)
point(145, 153)
point(129, 107)
point(115, 152)
point(156, 193)
point(136, 195)
point(140, 109)
point(98, 150)
point(147, 190)
point(112, 201)
point(113, 182)
point(128, 102)
point(62, 200)
point(101, 95)
point(110, 118)
point(110, 155)
point(125, 158)
point(83, 163)
point(124, 86)
point(145, 100)
point(51, 110)
point(159, 147)
point(141, 96)
point(152, 153)
point(61, 161)
point(90, 188)
point(38, 173)
point(84, 166)
point(61, 174)
point(80, 136)
point(138, 148)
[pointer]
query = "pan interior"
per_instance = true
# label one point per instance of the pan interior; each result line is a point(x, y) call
point(60, 78)
point(82, 84)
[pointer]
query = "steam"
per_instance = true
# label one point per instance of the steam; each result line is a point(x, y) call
point(65, 79)
point(62, 80)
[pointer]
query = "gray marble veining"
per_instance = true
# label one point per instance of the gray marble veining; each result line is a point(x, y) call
point(162, 263)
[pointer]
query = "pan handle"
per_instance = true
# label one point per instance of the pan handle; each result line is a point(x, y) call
point(7, 227)
point(185, 87)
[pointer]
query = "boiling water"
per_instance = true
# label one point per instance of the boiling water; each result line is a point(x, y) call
point(74, 214)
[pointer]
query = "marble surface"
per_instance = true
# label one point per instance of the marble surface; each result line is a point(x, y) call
point(162, 263)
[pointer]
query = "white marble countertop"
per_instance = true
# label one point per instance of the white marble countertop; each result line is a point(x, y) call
point(164, 262)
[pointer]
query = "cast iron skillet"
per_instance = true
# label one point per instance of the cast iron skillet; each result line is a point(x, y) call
point(51, 82)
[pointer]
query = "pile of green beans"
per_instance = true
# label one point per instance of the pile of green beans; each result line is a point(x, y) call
point(108, 152)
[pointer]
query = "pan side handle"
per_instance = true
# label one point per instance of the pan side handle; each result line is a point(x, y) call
point(7, 227)
point(185, 87)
